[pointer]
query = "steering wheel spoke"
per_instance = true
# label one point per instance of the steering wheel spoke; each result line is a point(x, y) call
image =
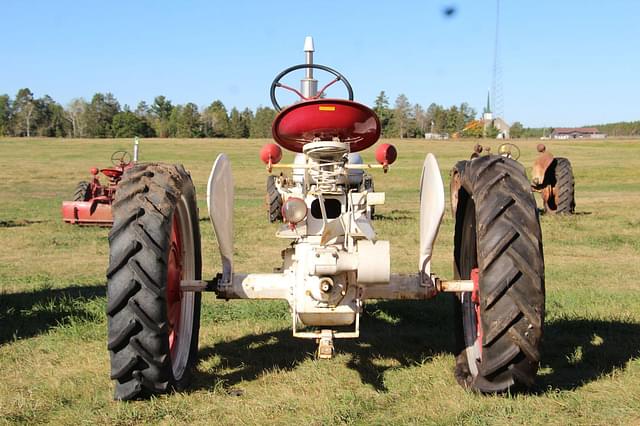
point(326, 86)
point(121, 159)
point(297, 92)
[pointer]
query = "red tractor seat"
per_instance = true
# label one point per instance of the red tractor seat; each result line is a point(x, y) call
point(326, 119)
point(112, 173)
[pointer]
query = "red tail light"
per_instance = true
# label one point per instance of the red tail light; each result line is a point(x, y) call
point(386, 154)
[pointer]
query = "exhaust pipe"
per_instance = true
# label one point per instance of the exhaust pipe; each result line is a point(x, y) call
point(308, 85)
point(136, 143)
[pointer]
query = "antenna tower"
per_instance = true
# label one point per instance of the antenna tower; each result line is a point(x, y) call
point(497, 97)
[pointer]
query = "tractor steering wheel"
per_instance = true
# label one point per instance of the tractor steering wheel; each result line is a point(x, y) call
point(276, 83)
point(509, 150)
point(120, 159)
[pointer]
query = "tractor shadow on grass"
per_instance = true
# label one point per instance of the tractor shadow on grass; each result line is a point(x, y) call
point(579, 351)
point(29, 314)
point(404, 334)
point(394, 216)
point(400, 334)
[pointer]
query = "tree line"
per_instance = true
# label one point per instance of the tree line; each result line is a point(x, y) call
point(103, 117)
point(622, 128)
point(405, 120)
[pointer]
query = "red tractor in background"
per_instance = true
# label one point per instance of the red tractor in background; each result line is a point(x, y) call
point(551, 176)
point(92, 200)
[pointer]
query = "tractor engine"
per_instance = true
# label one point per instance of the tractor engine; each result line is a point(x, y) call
point(335, 251)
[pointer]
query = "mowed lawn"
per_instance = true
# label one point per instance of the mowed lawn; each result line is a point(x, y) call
point(55, 364)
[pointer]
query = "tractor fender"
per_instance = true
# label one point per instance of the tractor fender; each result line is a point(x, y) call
point(431, 211)
point(456, 183)
point(539, 170)
point(220, 207)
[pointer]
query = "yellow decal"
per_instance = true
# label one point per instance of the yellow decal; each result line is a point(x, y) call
point(327, 108)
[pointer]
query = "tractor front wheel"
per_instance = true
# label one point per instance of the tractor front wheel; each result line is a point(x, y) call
point(82, 192)
point(154, 244)
point(498, 244)
point(274, 200)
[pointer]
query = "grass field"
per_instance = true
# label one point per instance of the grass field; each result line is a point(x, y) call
point(55, 365)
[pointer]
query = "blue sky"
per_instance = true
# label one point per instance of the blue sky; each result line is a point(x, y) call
point(564, 63)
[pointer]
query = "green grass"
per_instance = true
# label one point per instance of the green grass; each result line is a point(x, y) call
point(52, 299)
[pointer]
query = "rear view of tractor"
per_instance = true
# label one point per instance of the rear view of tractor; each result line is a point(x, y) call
point(92, 199)
point(553, 178)
point(334, 261)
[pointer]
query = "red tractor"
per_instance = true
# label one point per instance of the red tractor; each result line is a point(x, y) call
point(92, 200)
point(551, 176)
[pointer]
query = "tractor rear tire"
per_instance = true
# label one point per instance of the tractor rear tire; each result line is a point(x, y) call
point(563, 189)
point(154, 243)
point(274, 200)
point(82, 192)
point(497, 231)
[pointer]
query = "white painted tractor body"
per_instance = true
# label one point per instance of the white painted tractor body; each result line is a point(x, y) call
point(335, 261)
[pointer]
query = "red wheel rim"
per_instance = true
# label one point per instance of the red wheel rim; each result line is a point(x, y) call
point(174, 276)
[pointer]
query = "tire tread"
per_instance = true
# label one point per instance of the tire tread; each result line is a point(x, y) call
point(136, 308)
point(511, 264)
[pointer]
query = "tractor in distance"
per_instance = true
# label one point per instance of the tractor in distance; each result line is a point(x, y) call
point(551, 176)
point(92, 200)
point(335, 262)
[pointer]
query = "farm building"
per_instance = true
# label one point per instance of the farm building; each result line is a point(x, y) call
point(501, 125)
point(436, 135)
point(577, 133)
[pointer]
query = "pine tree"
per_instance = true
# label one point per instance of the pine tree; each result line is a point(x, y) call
point(236, 126)
point(5, 115)
point(261, 123)
point(401, 116)
point(188, 124)
point(216, 121)
point(127, 124)
point(99, 115)
point(160, 111)
point(384, 113)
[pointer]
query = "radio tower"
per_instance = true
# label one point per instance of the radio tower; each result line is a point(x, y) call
point(497, 97)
